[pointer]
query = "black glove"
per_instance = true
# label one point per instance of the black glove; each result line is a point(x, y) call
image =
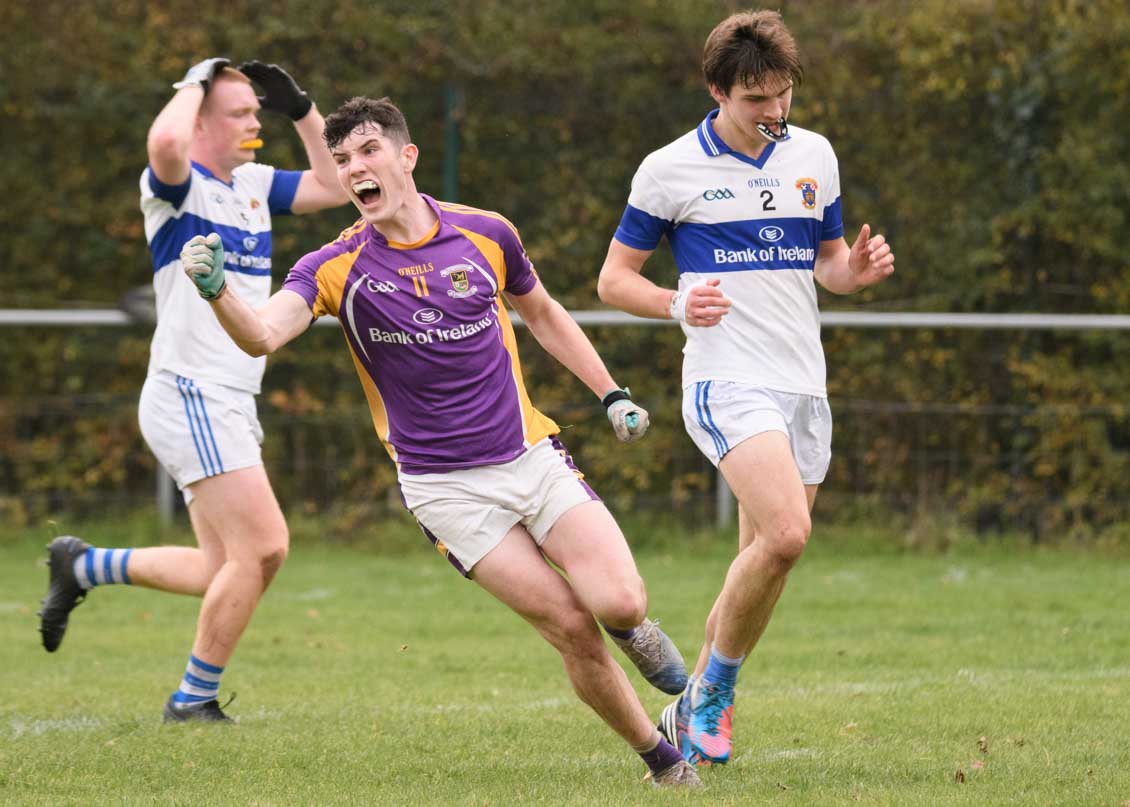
point(282, 94)
point(201, 74)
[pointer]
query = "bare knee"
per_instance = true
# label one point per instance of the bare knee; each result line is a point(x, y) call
point(573, 634)
point(270, 562)
point(625, 606)
point(785, 542)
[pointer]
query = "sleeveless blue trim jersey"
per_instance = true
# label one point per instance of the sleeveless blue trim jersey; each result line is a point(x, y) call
point(757, 225)
point(188, 340)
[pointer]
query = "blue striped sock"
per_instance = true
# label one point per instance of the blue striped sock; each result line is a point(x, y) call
point(101, 567)
point(722, 669)
point(201, 682)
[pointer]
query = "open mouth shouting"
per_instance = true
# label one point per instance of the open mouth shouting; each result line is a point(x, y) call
point(367, 192)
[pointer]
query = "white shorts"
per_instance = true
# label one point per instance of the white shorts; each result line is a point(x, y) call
point(197, 430)
point(467, 512)
point(720, 414)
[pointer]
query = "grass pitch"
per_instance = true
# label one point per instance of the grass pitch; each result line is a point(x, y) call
point(979, 677)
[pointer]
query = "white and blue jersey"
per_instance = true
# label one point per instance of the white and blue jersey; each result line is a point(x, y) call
point(189, 341)
point(757, 226)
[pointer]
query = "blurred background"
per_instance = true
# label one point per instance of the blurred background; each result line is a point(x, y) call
point(987, 140)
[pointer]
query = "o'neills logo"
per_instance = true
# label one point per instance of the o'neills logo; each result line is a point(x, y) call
point(418, 269)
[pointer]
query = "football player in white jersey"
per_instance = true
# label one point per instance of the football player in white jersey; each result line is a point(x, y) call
point(750, 206)
point(197, 408)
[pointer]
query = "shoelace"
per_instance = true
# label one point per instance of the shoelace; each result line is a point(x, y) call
point(713, 705)
point(647, 641)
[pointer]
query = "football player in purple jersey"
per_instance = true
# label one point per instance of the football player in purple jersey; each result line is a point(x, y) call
point(421, 289)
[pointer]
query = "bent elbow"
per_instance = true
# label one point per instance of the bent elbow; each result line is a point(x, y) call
point(165, 144)
point(604, 286)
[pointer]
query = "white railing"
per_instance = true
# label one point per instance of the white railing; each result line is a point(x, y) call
point(40, 317)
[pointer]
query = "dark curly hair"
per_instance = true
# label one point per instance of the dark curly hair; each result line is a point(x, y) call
point(361, 110)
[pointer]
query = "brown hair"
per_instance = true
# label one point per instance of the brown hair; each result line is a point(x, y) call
point(361, 110)
point(749, 47)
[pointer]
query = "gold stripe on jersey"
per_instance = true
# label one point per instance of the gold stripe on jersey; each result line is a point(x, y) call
point(419, 242)
point(331, 277)
point(535, 425)
point(474, 211)
point(376, 402)
point(491, 250)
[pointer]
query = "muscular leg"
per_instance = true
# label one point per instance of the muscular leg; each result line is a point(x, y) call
point(239, 524)
point(516, 573)
point(179, 569)
point(587, 544)
point(747, 536)
point(773, 528)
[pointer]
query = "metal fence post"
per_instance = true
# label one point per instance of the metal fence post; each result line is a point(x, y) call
point(166, 491)
point(723, 501)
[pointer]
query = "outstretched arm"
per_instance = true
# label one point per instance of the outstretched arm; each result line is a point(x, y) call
point(563, 339)
point(257, 332)
point(319, 187)
point(843, 270)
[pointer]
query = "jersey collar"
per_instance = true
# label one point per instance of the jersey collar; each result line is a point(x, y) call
point(209, 175)
point(715, 146)
point(381, 239)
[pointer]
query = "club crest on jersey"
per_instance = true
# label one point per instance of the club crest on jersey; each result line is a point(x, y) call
point(250, 242)
point(460, 282)
point(808, 188)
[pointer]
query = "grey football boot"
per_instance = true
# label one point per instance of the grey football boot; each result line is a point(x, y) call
point(656, 657)
point(681, 774)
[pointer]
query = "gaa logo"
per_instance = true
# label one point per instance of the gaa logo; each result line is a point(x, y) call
point(717, 194)
point(771, 234)
point(381, 287)
point(427, 316)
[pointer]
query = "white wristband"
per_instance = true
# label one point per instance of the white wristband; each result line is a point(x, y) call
point(678, 307)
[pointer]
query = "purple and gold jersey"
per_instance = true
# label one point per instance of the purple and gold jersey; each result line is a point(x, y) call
point(430, 338)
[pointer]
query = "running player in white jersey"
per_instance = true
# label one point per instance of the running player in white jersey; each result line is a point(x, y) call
point(751, 208)
point(197, 408)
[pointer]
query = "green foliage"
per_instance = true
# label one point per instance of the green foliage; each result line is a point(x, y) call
point(986, 139)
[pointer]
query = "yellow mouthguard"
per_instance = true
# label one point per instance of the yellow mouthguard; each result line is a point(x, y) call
point(251, 144)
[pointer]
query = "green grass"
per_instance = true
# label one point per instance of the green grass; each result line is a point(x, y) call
point(884, 678)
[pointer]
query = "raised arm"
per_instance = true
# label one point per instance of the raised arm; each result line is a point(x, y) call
point(563, 339)
point(843, 270)
point(319, 187)
point(256, 331)
point(171, 132)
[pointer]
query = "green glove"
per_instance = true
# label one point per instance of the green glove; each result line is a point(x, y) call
point(203, 261)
